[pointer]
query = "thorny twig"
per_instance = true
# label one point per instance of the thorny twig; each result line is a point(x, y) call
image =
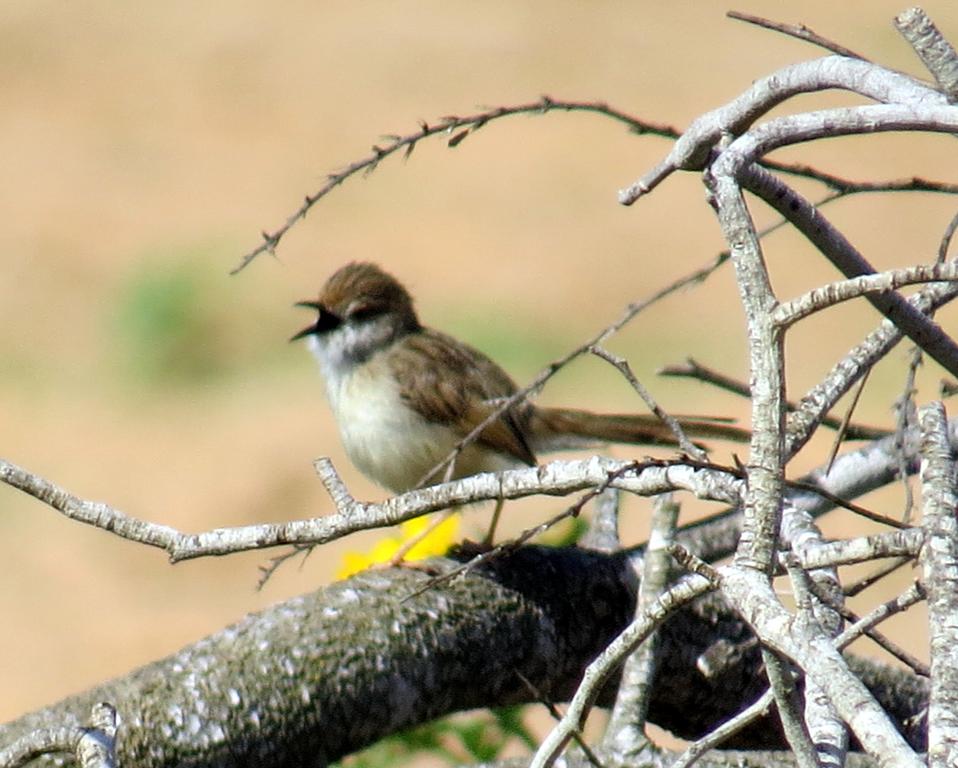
point(459, 127)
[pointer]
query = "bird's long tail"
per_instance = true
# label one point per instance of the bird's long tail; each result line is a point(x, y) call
point(554, 429)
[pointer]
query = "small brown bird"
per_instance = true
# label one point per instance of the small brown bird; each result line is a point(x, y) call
point(404, 395)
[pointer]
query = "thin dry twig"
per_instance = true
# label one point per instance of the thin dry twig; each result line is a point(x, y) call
point(867, 626)
point(277, 561)
point(458, 128)
point(945, 245)
point(691, 368)
point(860, 585)
point(799, 31)
point(846, 421)
point(556, 715)
point(842, 187)
point(623, 367)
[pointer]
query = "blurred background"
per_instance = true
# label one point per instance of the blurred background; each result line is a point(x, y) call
point(145, 146)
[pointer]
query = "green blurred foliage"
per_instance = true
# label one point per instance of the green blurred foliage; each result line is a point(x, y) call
point(460, 739)
point(168, 333)
point(181, 320)
point(522, 349)
point(566, 533)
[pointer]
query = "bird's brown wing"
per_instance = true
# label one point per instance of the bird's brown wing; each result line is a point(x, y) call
point(449, 382)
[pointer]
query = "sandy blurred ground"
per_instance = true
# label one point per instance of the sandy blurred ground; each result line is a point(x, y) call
point(143, 149)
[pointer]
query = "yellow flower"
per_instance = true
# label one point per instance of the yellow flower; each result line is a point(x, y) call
point(436, 542)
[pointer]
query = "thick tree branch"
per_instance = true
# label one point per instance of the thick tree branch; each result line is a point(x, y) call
point(765, 467)
point(813, 652)
point(934, 50)
point(940, 560)
point(291, 682)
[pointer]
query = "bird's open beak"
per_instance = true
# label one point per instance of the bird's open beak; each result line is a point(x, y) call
point(324, 322)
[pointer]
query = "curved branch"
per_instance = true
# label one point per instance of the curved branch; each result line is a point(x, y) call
point(458, 128)
point(826, 296)
point(692, 150)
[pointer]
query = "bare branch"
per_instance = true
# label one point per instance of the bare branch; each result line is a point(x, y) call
point(932, 48)
point(491, 554)
point(623, 367)
point(458, 128)
point(738, 160)
point(782, 685)
point(799, 31)
point(822, 397)
point(865, 626)
point(614, 654)
point(865, 548)
point(765, 468)
point(825, 729)
point(695, 370)
point(814, 652)
point(829, 295)
point(799, 531)
point(940, 561)
point(93, 746)
point(625, 732)
point(556, 479)
point(762, 706)
point(693, 149)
